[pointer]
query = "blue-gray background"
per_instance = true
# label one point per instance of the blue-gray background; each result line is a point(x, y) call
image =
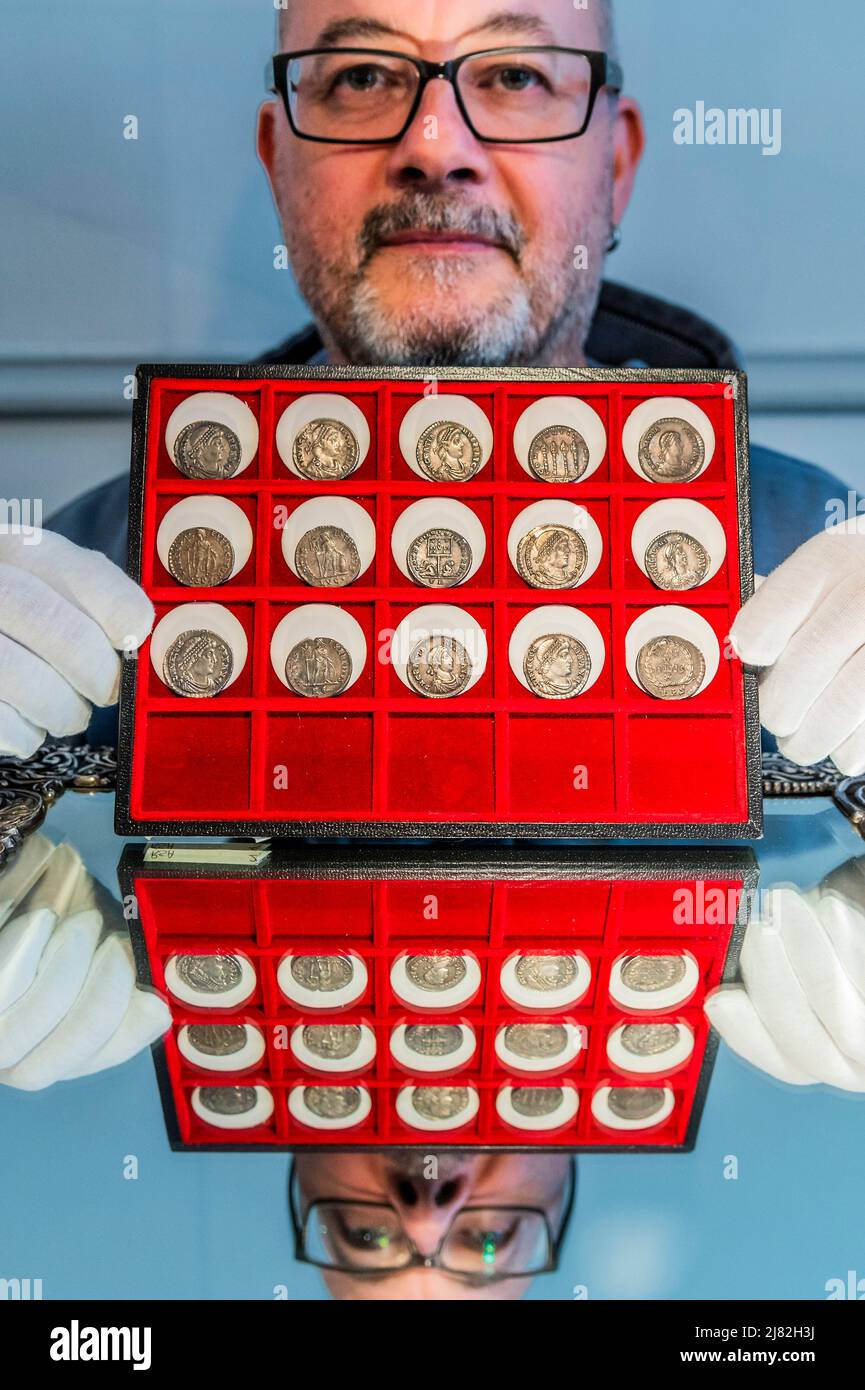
point(117, 251)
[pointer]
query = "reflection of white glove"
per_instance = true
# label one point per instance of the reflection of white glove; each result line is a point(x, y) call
point(69, 1004)
point(806, 626)
point(64, 615)
point(800, 1014)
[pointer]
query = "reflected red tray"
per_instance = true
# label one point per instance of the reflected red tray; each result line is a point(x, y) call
point(382, 761)
point(491, 903)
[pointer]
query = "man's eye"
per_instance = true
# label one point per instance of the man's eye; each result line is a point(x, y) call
point(367, 1238)
point(520, 79)
point(363, 78)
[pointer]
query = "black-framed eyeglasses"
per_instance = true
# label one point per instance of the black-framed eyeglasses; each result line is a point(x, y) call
point(514, 96)
point(482, 1245)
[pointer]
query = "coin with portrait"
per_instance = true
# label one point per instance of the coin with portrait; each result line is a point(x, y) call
point(552, 557)
point(205, 449)
point(436, 973)
point(559, 454)
point(440, 1102)
point(439, 559)
point(327, 557)
point(326, 451)
point(318, 667)
point(439, 667)
point(672, 451)
point(228, 1100)
point(536, 1041)
point(676, 561)
point(635, 1102)
point(332, 1102)
point(671, 668)
point(649, 973)
point(198, 664)
point(201, 557)
point(216, 974)
point(649, 1039)
point(217, 1039)
point(546, 973)
point(557, 667)
point(448, 452)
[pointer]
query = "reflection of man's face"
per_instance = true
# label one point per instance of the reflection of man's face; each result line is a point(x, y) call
point(426, 1208)
point(443, 248)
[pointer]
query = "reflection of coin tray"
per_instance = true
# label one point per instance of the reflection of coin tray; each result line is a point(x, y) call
point(381, 760)
point(487, 904)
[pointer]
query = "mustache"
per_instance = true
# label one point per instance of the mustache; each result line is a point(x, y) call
point(435, 213)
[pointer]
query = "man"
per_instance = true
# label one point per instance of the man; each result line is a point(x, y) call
point(448, 203)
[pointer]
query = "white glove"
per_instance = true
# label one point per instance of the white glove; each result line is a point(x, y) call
point(65, 613)
point(800, 1013)
point(806, 627)
point(69, 1003)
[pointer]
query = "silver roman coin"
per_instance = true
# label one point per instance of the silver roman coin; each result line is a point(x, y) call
point(536, 1041)
point(332, 1102)
point(649, 973)
point(205, 449)
point(327, 557)
point(635, 1102)
point(326, 451)
point(671, 668)
point(433, 1039)
point(449, 453)
point(552, 557)
point(217, 1039)
point(318, 667)
point(209, 974)
point(439, 558)
point(333, 1041)
point(322, 974)
point(439, 667)
point(672, 451)
point(557, 667)
point(649, 1039)
point(198, 664)
point(440, 1102)
point(546, 973)
point(535, 1101)
point(228, 1100)
point(435, 973)
point(201, 558)
point(559, 454)
point(676, 561)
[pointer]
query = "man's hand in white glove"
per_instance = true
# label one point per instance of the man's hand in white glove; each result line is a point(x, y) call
point(806, 627)
point(799, 1014)
point(69, 1002)
point(65, 614)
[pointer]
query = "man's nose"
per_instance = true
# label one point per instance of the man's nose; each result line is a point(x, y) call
point(427, 1206)
point(438, 146)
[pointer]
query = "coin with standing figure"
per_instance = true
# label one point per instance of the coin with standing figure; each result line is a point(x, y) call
point(559, 454)
point(217, 1039)
point(326, 451)
point(318, 667)
point(198, 665)
point(552, 557)
point(676, 561)
point(449, 453)
point(208, 450)
point(671, 668)
point(322, 974)
point(333, 1041)
point(201, 558)
point(534, 1102)
point(439, 667)
point(439, 558)
point(557, 667)
point(327, 558)
point(672, 451)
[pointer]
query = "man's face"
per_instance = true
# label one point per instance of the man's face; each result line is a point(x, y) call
point(426, 1208)
point(443, 249)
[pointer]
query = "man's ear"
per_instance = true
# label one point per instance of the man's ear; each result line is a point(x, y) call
point(629, 141)
point(268, 114)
